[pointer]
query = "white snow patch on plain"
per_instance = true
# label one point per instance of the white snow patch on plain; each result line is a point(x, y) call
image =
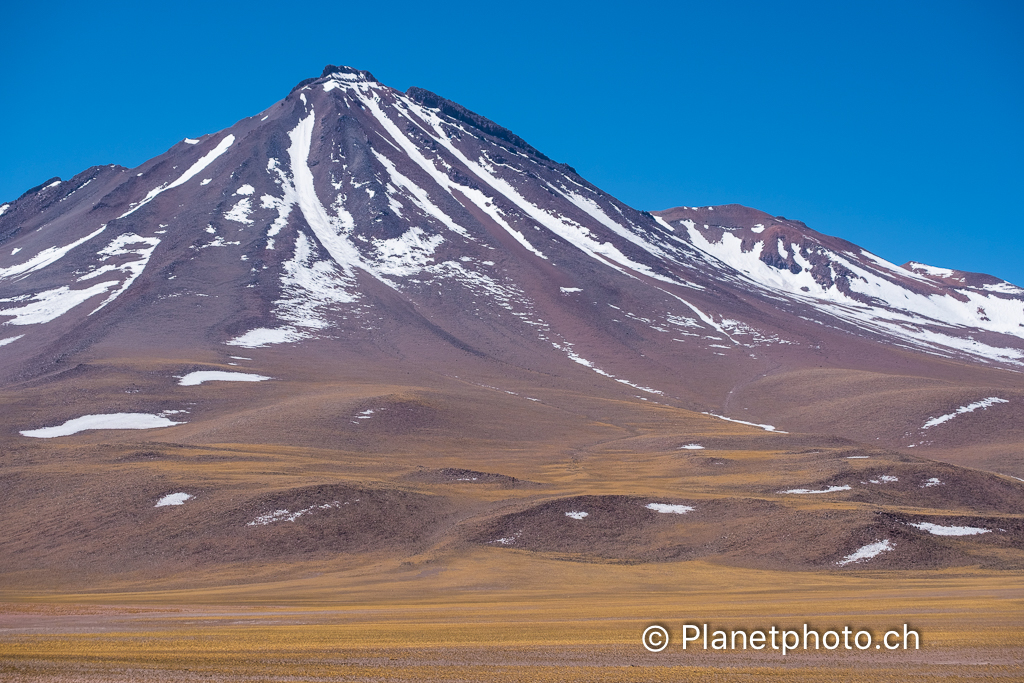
point(173, 499)
point(575, 514)
point(830, 489)
point(569, 290)
point(108, 421)
point(939, 530)
point(667, 508)
point(857, 457)
point(286, 516)
point(198, 377)
point(508, 540)
point(867, 552)
point(969, 408)
point(53, 303)
point(5, 342)
point(691, 447)
point(245, 190)
point(767, 428)
point(45, 257)
point(934, 481)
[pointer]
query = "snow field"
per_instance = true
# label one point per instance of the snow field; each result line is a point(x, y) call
point(867, 552)
point(198, 377)
point(108, 421)
point(173, 499)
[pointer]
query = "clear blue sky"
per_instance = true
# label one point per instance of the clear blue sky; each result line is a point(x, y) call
point(896, 125)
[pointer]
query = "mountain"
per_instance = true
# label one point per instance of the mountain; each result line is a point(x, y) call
point(410, 280)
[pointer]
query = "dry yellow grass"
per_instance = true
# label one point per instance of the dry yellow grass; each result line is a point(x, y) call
point(457, 609)
point(494, 615)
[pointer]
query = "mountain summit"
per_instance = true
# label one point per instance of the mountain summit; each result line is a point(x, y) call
point(354, 222)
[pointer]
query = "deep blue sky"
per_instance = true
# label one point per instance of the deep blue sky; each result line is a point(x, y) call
point(898, 126)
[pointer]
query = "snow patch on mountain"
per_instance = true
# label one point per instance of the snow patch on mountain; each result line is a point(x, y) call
point(901, 313)
point(45, 257)
point(330, 231)
point(407, 254)
point(133, 269)
point(767, 428)
point(264, 336)
point(929, 270)
point(983, 404)
point(567, 348)
point(419, 197)
point(310, 288)
point(239, 213)
point(479, 199)
point(192, 171)
point(569, 230)
point(52, 303)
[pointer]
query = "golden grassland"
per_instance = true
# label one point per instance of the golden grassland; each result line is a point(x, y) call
point(457, 609)
point(496, 615)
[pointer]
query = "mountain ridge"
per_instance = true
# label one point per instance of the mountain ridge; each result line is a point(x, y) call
point(352, 214)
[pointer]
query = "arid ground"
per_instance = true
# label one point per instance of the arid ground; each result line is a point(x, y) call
point(435, 544)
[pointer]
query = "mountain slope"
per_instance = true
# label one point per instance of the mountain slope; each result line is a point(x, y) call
point(394, 229)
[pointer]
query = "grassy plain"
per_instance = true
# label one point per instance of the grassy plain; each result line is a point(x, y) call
point(494, 615)
point(97, 585)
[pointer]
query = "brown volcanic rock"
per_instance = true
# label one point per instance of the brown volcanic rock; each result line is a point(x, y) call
point(327, 519)
point(459, 475)
point(740, 532)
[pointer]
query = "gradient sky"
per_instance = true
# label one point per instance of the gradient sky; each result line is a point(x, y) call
point(896, 125)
